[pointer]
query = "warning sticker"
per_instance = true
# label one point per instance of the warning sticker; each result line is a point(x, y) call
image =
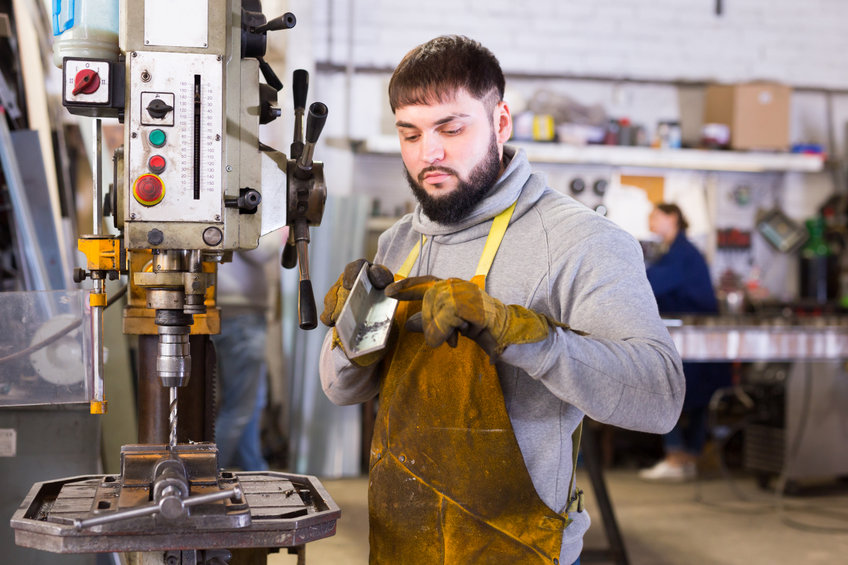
point(8, 442)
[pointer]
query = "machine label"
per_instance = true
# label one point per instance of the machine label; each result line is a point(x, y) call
point(8, 442)
point(176, 24)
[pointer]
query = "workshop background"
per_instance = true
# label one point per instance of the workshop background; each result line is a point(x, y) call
point(611, 99)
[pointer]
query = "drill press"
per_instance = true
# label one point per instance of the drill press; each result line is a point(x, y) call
point(187, 191)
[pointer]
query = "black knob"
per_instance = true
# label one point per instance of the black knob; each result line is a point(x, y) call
point(268, 110)
point(286, 21)
point(158, 108)
point(315, 121)
point(600, 187)
point(79, 274)
point(289, 258)
point(306, 311)
point(300, 86)
point(577, 185)
point(270, 76)
point(249, 200)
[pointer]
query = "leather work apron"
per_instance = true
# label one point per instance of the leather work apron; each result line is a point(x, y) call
point(448, 483)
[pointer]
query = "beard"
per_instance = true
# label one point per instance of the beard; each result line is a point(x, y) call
point(455, 206)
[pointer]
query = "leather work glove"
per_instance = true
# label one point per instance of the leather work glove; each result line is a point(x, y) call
point(455, 306)
point(379, 275)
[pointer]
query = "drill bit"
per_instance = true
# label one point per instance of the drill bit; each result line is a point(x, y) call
point(172, 417)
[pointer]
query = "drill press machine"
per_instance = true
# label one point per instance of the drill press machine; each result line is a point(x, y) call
point(189, 188)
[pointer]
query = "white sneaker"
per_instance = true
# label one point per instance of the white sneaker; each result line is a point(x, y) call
point(665, 471)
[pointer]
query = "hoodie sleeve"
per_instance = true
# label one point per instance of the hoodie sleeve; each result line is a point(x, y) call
point(344, 382)
point(626, 371)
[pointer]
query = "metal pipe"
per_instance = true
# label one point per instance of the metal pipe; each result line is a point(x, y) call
point(154, 508)
point(97, 360)
point(99, 387)
point(97, 179)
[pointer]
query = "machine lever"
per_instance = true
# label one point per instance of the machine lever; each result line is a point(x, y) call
point(289, 258)
point(306, 310)
point(307, 313)
point(270, 76)
point(286, 21)
point(314, 124)
point(315, 121)
point(300, 86)
point(163, 506)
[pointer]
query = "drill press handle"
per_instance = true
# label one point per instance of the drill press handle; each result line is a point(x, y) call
point(306, 195)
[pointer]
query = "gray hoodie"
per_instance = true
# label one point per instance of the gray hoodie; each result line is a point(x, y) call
point(564, 260)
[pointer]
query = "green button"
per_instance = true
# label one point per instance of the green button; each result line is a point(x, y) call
point(157, 138)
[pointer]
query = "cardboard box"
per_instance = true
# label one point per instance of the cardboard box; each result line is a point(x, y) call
point(757, 113)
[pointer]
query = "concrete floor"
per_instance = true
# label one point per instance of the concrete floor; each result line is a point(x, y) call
point(703, 523)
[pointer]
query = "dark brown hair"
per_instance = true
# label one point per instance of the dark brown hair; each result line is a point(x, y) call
point(674, 210)
point(436, 70)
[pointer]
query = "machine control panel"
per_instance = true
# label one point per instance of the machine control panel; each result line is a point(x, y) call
point(175, 138)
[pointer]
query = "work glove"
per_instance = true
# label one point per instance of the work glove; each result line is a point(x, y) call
point(336, 297)
point(454, 306)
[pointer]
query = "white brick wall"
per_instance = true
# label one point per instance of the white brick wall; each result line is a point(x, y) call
point(796, 42)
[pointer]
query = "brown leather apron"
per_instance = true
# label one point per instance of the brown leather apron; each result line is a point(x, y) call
point(448, 483)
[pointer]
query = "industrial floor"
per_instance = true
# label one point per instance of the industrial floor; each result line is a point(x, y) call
point(702, 523)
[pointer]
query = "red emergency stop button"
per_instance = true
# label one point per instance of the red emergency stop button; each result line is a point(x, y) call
point(148, 190)
point(156, 164)
point(86, 81)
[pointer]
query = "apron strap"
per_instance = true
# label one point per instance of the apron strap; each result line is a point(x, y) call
point(406, 268)
point(493, 242)
point(575, 451)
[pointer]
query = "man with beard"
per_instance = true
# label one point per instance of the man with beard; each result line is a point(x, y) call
point(520, 311)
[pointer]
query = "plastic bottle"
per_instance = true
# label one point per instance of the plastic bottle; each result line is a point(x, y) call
point(85, 28)
point(818, 265)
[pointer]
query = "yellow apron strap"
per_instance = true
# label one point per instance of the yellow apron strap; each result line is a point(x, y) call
point(575, 450)
point(493, 241)
point(405, 269)
point(496, 234)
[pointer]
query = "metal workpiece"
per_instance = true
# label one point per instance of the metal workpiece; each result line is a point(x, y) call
point(146, 508)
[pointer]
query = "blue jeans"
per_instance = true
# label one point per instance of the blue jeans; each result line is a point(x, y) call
point(689, 434)
point(240, 349)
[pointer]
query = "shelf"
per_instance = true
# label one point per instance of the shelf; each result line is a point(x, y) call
point(622, 156)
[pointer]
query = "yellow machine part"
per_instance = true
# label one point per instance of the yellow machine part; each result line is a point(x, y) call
point(139, 319)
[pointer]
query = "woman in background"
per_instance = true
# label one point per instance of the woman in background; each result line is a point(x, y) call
point(681, 283)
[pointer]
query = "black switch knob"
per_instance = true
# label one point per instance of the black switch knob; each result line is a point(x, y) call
point(158, 108)
point(577, 185)
point(600, 187)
